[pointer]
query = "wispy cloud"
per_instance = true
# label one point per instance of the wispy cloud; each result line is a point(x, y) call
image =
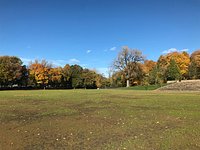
point(59, 62)
point(62, 62)
point(174, 50)
point(74, 61)
point(184, 50)
point(25, 61)
point(169, 50)
point(110, 49)
point(113, 48)
point(56, 62)
point(88, 51)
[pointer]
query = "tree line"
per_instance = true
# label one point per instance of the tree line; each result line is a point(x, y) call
point(129, 68)
point(41, 74)
point(132, 68)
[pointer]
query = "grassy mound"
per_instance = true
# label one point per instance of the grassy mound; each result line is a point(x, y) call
point(185, 85)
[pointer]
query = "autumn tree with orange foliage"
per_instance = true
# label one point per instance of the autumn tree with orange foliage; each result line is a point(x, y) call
point(55, 77)
point(148, 66)
point(40, 72)
point(182, 60)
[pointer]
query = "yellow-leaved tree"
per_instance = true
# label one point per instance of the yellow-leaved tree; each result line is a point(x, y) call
point(182, 60)
point(40, 72)
point(55, 77)
point(148, 66)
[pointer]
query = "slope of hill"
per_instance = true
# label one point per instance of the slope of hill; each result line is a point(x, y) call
point(186, 85)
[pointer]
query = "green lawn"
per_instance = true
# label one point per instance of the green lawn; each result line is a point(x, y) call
point(99, 119)
point(142, 87)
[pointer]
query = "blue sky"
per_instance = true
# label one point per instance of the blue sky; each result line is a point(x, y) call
point(91, 32)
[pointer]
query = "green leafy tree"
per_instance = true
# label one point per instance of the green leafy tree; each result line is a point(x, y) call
point(76, 76)
point(156, 76)
point(10, 70)
point(72, 76)
point(67, 76)
point(24, 76)
point(194, 68)
point(89, 79)
point(173, 71)
point(182, 60)
point(118, 79)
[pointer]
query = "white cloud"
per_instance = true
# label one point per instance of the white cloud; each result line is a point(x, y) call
point(175, 50)
point(25, 61)
point(170, 50)
point(110, 49)
point(184, 50)
point(113, 48)
point(88, 51)
point(62, 62)
point(73, 61)
point(59, 62)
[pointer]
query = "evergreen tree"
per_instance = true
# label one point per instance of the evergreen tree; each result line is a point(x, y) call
point(173, 71)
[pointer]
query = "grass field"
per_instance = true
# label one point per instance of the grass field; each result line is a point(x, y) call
point(99, 119)
point(143, 87)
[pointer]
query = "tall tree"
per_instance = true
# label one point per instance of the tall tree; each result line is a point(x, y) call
point(157, 75)
point(24, 76)
point(10, 70)
point(67, 76)
point(89, 78)
point(194, 69)
point(39, 71)
point(76, 76)
point(72, 76)
point(148, 66)
point(55, 76)
point(182, 60)
point(127, 61)
point(173, 71)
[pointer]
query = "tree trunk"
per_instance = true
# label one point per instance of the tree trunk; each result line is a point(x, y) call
point(127, 83)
